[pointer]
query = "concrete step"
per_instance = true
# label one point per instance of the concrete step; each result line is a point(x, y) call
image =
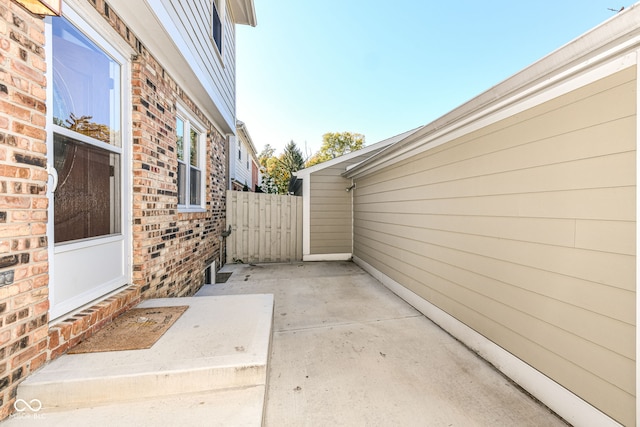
point(219, 343)
point(223, 408)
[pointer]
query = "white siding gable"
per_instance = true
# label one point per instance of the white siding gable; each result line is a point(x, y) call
point(216, 70)
point(179, 33)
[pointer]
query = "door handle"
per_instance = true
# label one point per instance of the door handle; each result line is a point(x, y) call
point(51, 171)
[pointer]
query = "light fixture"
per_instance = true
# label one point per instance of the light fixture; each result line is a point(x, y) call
point(42, 7)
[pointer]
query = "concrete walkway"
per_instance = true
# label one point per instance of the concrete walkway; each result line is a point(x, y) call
point(348, 352)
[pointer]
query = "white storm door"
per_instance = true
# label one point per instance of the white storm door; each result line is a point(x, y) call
point(86, 155)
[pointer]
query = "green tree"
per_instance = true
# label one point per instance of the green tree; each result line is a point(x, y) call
point(268, 164)
point(277, 171)
point(266, 153)
point(291, 159)
point(335, 144)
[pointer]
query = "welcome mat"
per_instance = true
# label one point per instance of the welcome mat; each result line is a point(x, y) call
point(136, 329)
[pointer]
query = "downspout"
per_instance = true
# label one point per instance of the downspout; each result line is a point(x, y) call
point(223, 241)
point(227, 147)
point(350, 190)
point(227, 168)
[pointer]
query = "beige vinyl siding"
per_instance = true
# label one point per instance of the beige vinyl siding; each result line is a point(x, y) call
point(330, 212)
point(194, 17)
point(525, 231)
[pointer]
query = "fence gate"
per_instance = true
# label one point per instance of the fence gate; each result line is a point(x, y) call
point(264, 227)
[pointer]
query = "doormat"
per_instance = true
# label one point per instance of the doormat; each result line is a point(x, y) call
point(223, 277)
point(136, 329)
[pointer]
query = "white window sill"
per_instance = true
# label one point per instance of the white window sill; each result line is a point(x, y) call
point(183, 209)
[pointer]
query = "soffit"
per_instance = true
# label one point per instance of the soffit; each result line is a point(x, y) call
point(243, 12)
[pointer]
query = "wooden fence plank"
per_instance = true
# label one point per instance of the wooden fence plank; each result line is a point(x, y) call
point(264, 227)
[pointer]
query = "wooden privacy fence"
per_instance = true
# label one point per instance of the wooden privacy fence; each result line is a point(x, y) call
point(264, 227)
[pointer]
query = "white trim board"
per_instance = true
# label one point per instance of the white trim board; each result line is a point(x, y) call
point(327, 257)
point(306, 216)
point(560, 400)
point(637, 237)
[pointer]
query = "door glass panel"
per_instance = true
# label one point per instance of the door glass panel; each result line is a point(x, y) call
point(87, 199)
point(86, 85)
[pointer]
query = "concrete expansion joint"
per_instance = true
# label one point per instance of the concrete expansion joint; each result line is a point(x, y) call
point(364, 322)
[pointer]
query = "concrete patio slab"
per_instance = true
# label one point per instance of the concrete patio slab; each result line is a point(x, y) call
point(347, 351)
point(219, 343)
point(313, 294)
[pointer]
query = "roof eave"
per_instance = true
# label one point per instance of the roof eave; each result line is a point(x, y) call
point(380, 145)
point(243, 12)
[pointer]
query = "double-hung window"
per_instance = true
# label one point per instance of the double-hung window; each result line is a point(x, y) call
point(190, 141)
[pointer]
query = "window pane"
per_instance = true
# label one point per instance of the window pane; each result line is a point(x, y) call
point(194, 148)
point(87, 199)
point(180, 138)
point(194, 186)
point(216, 28)
point(182, 183)
point(86, 85)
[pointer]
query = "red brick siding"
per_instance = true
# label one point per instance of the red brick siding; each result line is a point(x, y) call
point(171, 249)
point(23, 202)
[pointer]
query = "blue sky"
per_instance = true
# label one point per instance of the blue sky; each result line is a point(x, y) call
point(383, 67)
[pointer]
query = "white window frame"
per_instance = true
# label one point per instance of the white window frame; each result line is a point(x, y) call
point(81, 16)
point(190, 122)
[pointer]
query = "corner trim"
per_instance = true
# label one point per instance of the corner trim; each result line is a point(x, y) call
point(560, 400)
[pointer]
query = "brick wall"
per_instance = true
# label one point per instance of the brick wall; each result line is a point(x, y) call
point(171, 249)
point(23, 201)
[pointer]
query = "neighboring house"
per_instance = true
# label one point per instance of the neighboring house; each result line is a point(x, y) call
point(127, 105)
point(243, 161)
point(327, 214)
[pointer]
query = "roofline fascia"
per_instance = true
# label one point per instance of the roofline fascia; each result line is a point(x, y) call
point(247, 7)
point(242, 127)
point(369, 148)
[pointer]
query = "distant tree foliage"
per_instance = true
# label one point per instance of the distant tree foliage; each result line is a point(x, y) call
point(277, 171)
point(267, 162)
point(335, 144)
point(85, 126)
point(292, 159)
